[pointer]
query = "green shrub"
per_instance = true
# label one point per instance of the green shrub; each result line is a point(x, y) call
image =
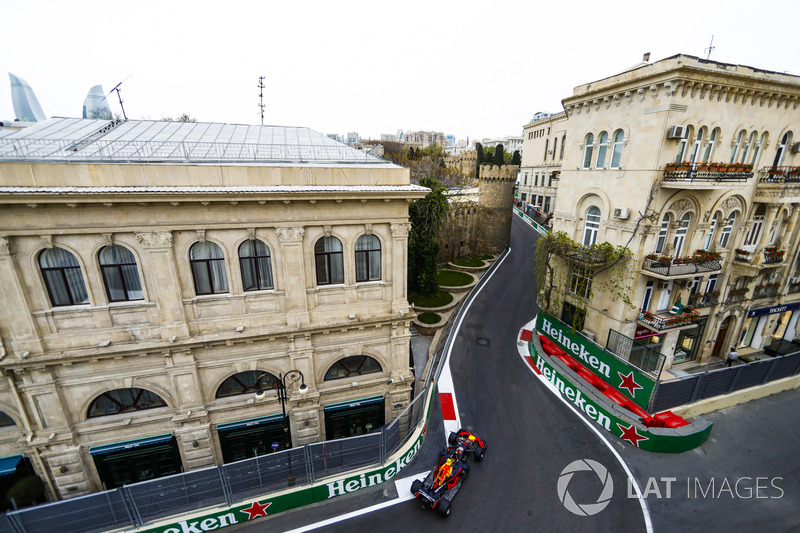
point(454, 278)
point(429, 318)
point(439, 299)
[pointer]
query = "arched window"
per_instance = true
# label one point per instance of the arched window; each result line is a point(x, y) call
point(785, 141)
point(256, 266)
point(725, 236)
point(736, 146)
point(682, 144)
point(757, 149)
point(62, 277)
point(120, 275)
point(245, 383)
point(5, 420)
point(710, 235)
point(591, 227)
point(587, 151)
point(208, 268)
point(602, 147)
point(680, 234)
point(616, 151)
point(710, 145)
point(329, 260)
point(354, 365)
point(124, 401)
point(754, 235)
point(751, 143)
point(698, 141)
point(368, 258)
point(662, 234)
point(563, 142)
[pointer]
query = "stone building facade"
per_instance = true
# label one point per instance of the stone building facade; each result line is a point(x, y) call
point(718, 233)
point(544, 140)
point(149, 280)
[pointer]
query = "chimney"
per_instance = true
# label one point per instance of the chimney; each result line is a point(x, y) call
point(646, 56)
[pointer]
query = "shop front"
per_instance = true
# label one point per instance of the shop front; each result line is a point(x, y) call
point(781, 320)
point(132, 461)
point(253, 437)
point(690, 342)
point(355, 417)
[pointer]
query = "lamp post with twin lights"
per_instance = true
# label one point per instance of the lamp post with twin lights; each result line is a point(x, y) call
point(281, 386)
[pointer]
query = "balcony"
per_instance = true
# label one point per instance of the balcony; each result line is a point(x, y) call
point(778, 181)
point(736, 296)
point(709, 299)
point(772, 257)
point(765, 291)
point(662, 323)
point(663, 267)
point(706, 175)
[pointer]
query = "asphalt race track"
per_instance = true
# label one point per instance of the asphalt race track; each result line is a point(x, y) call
point(532, 437)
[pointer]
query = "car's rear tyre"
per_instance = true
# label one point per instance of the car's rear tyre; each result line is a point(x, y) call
point(415, 486)
point(443, 507)
point(479, 454)
point(452, 439)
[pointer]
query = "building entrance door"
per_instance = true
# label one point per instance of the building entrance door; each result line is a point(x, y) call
point(720, 348)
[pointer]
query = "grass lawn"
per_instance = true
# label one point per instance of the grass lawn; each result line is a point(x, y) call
point(437, 300)
point(454, 278)
point(473, 261)
point(429, 318)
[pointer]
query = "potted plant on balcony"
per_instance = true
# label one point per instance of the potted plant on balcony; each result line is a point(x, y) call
point(793, 171)
point(669, 167)
point(651, 257)
point(735, 292)
point(774, 171)
point(665, 260)
point(715, 292)
point(685, 165)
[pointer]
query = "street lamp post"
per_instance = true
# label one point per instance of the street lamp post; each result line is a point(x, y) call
point(281, 386)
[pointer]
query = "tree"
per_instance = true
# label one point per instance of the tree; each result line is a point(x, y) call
point(516, 159)
point(499, 155)
point(479, 151)
point(426, 216)
point(181, 118)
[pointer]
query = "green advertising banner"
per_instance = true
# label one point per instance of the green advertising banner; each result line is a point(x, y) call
point(650, 439)
point(630, 381)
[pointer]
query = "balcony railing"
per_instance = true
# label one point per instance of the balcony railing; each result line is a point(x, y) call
point(707, 173)
point(765, 291)
point(779, 175)
point(661, 323)
point(743, 256)
point(735, 297)
point(704, 300)
point(666, 266)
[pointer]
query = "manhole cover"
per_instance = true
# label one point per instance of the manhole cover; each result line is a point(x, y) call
point(483, 342)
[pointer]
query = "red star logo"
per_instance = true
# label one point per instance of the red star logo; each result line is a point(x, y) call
point(629, 383)
point(630, 434)
point(256, 509)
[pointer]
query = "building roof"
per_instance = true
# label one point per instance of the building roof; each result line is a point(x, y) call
point(150, 141)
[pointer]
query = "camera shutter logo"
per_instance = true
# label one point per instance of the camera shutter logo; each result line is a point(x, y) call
point(585, 509)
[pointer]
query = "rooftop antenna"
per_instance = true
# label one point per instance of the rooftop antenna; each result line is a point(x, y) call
point(261, 97)
point(710, 48)
point(116, 88)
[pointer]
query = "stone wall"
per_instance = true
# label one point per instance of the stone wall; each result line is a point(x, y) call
point(480, 224)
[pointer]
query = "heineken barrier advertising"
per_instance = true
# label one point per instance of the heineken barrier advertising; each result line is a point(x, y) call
point(268, 506)
point(657, 440)
point(628, 380)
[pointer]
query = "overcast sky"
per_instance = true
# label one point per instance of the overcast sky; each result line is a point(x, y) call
point(477, 69)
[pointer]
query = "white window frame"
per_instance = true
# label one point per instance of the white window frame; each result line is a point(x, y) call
point(591, 226)
point(616, 149)
point(602, 149)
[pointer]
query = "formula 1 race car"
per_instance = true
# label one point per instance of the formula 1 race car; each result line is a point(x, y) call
point(440, 486)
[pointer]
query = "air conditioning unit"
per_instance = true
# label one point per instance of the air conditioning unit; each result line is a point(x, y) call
point(796, 148)
point(676, 132)
point(591, 335)
point(663, 285)
point(622, 213)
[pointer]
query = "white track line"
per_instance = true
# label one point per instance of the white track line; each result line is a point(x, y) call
point(522, 348)
point(403, 487)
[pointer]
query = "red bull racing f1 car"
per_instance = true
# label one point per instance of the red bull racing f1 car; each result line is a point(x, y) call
point(440, 486)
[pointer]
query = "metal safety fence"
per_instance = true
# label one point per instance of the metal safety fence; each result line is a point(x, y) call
point(143, 503)
point(696, 387)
